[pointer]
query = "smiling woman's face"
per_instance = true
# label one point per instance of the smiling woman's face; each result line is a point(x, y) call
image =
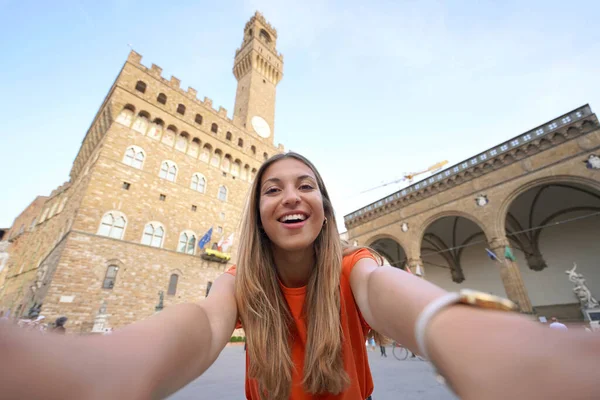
point(291, 205)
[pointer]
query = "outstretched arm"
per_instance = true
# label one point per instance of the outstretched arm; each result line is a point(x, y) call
point(149, 359)
point(484, 354)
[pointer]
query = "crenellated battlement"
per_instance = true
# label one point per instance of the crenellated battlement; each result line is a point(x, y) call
point(260, 18)
point(174, 83)
point(60, 189)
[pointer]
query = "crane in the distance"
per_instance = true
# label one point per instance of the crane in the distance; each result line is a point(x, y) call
point(411, 175)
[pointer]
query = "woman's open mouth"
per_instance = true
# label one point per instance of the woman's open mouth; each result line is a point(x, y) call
point(294, 221)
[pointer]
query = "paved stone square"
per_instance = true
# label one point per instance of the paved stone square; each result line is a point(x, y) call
point(407, 380)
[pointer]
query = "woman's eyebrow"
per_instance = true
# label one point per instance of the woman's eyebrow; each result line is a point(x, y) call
point(302, 177)
point(277, 180)
point(273, 180)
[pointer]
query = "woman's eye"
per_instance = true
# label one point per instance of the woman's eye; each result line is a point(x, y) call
point(271, 190)
point(306, 186)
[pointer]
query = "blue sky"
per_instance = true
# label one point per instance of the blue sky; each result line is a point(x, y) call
point(370, 91)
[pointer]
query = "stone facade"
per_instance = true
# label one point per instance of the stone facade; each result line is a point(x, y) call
point(408, 228)
point(157, 166)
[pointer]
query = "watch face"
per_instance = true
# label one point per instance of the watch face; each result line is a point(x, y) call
point(261, 127)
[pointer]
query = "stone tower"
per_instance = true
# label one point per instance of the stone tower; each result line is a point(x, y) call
point(157, 169)
point(258, 67)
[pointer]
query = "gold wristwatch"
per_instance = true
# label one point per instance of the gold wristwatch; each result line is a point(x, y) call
point(485, 300)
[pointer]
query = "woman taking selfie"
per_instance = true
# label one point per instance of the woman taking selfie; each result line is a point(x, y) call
point(306, 303)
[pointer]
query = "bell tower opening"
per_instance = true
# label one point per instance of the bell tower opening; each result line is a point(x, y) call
point(258, 68)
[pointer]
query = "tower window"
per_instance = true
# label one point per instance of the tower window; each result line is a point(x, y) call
point(198, 119)
point(194, 208)
point(162, 98)
point(162, 197)
point(140, 87)
point(241, 142)
point(228, 136)
point(214, 128)
point(181, 109)
point(266, 156)
point(126, 185)
point(253, 149)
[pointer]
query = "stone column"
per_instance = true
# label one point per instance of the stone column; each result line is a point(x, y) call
point(511, 276)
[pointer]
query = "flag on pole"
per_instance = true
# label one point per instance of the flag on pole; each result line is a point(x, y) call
point(508, 254)
point(205, 239)
point(220, 243)
point(227, 243)
point(492, 255)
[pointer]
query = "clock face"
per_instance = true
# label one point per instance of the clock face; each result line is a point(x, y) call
point(261, 127)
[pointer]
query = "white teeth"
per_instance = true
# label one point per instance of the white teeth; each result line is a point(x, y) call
point(300, 217)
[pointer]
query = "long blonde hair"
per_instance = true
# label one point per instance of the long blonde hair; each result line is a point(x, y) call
point(264, 312)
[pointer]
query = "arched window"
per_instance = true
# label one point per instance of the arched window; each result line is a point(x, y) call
point(181, 109)
point(141, 123)
point(154, 234)
point(253, 149)
point(173, 285)
point(215, 161)
point(112, 225)
point(222, 193)
point(126, 115)
point(168, 171)
point(162, 98)
point(134, 156)
point(198, 182)
point(228, 136)
point(266, 156)
point(214, 128)
point(198, 119)
point(187, 242)
point(252, 174)
point(241, 142)
point(110, 277)
point(140, 86)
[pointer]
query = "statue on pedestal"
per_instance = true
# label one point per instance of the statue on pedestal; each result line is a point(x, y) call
point(581, 290)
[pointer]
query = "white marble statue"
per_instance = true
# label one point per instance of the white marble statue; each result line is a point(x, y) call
point(581, 290)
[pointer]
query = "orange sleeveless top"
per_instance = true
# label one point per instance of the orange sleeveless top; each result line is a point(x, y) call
point(355, 329)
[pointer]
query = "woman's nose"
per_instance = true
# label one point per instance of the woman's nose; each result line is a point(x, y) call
point(290, 197)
